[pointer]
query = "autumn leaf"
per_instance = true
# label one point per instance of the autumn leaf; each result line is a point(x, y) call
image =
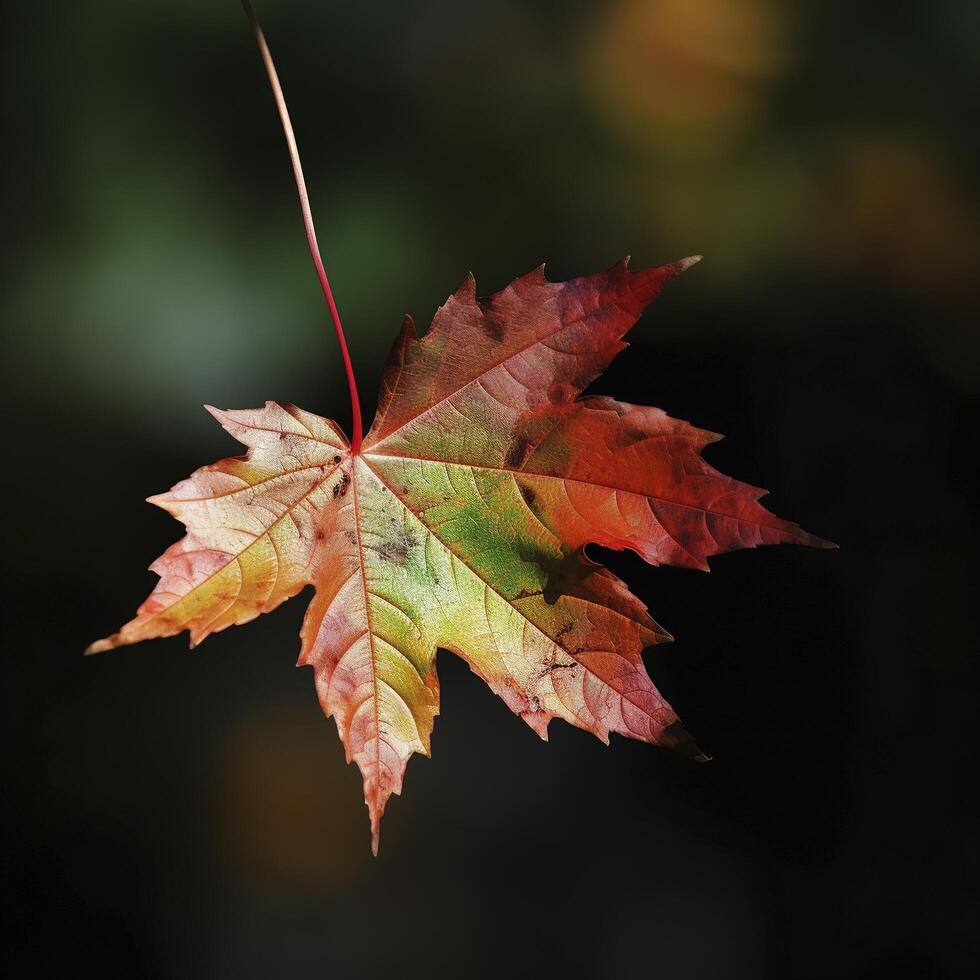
point(460, 522)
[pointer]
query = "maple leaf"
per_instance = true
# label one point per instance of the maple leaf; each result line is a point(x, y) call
point(461, 520)
point(461, 524)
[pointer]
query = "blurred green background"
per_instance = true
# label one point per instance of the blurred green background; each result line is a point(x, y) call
point(175, 816)
point(153, 233)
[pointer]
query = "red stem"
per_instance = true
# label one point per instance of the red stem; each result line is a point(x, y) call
point(304, 203)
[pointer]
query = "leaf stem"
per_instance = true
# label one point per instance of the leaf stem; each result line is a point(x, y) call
point(304, 203)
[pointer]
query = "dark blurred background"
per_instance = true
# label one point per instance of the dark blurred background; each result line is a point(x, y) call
point(180, 815)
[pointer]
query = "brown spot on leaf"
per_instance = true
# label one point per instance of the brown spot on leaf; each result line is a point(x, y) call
point(526, 594)
point(340, 487)
point(518, 452)
point(395, 549)
point(492, 327)
point(560, 392)
point(564, 631)
point(528, 493)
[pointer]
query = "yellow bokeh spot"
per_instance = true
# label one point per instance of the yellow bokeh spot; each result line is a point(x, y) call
point(684, 73)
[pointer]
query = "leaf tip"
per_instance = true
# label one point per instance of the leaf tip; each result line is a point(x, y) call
point(674, 269)
point(675, 736)
point(813, 541)
point(681, 265)
point(467, 288)
point(537, 721)
point(535, 277)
